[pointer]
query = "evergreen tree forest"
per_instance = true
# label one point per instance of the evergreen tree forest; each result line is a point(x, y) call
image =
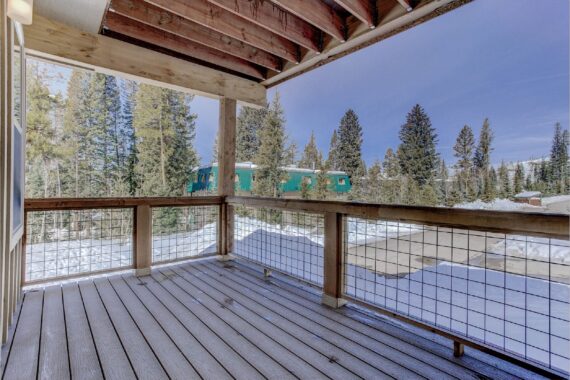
point(110, 137)
point(114, 137)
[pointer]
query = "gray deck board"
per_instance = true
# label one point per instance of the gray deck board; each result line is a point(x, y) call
point(22, 362)
point(141, 355)
point(83, 358)
point(114, 360)
point(54, 364)
point(423, 363)
point(213, 320)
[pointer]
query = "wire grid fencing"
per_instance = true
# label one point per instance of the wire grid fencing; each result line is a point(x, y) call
point(72, 242)
point(181, 232)
point(507, 291)
point(287, 241)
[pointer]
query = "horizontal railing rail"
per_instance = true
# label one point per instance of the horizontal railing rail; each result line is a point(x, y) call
point(551, 225)
point(50, 204)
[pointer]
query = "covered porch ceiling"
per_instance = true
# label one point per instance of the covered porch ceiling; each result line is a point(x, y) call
point(221, 48)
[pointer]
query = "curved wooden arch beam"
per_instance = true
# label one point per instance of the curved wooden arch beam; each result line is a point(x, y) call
point(276, 20)
point(317, 13)
point(214, 17)
point(169, 22)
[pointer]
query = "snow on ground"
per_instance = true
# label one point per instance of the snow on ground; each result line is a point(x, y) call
point(558, 198)
point(497, 204)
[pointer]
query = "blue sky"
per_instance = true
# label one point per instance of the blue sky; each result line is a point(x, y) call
point(503, 59)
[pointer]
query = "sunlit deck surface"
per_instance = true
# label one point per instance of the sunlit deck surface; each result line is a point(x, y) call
point(220, 320)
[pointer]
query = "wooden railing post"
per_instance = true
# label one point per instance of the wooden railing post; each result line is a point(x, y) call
point(142, 252)
point(226, 173)
point(332, 276)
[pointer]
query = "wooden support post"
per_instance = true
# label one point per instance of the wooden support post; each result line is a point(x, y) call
point(332, 281)
point(226, 173)
point(143, 240)
point(458, 349)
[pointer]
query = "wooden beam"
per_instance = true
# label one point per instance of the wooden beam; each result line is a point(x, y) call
point(225, 22)
point(317, 13)
point(361, 9)
point(276, 20)
point(134, 29)
point(393, 19)
point(52, 39)
point(161, 19)
point(406, 4)
point(142, 249)
point(47, 204)
point(332, 262)
point(226, 171)
point(555, 226)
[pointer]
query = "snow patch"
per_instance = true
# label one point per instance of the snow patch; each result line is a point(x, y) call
point(497, 205)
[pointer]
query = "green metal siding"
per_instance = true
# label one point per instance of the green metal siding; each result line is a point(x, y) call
point(207, 179)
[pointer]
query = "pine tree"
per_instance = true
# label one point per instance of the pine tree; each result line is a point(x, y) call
point(349, 148)
point(505, 189)
point(391, 183)
point(249, 124)
point(558, 166)
point(518, 181)
point(482, 158)
point(128, 91)
point(442, 188)
point(374, 182)
point(463, 150)
point(312, 157)
point(290, 154)
point(332, 159)
point(271, 152)
point(417, 152)
point(322, 189)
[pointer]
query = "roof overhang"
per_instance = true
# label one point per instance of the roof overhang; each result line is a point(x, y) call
point(231, 48)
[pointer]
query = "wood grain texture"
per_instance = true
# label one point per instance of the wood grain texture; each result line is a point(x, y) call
point(219, 19)
point(276, 20)
point(361, 9)
point(158, 37)
point(169, 22)
point(317, 13)
point(47, 37)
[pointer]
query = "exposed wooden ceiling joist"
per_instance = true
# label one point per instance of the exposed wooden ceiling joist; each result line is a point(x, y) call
point(59, 41)
point(214, 17)
point(318, 13)
point(407, 4)
point(137, 30)
point(276, 20)
point(361, 9)
point(159, 18)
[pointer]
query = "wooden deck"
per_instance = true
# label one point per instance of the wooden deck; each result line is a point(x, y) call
point(212, 320)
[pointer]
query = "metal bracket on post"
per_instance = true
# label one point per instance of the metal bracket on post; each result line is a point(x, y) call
point(142, 231)
point(332, 276)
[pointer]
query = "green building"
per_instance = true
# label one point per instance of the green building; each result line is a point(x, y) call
point(206, 179)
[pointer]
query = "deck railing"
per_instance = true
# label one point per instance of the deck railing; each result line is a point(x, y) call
point(496, 281)
point(68, 238)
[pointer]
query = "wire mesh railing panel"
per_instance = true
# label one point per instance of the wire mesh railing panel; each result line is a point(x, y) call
point(74, 242)
point(287, 241)
point(505, 291)
point(181, 232)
